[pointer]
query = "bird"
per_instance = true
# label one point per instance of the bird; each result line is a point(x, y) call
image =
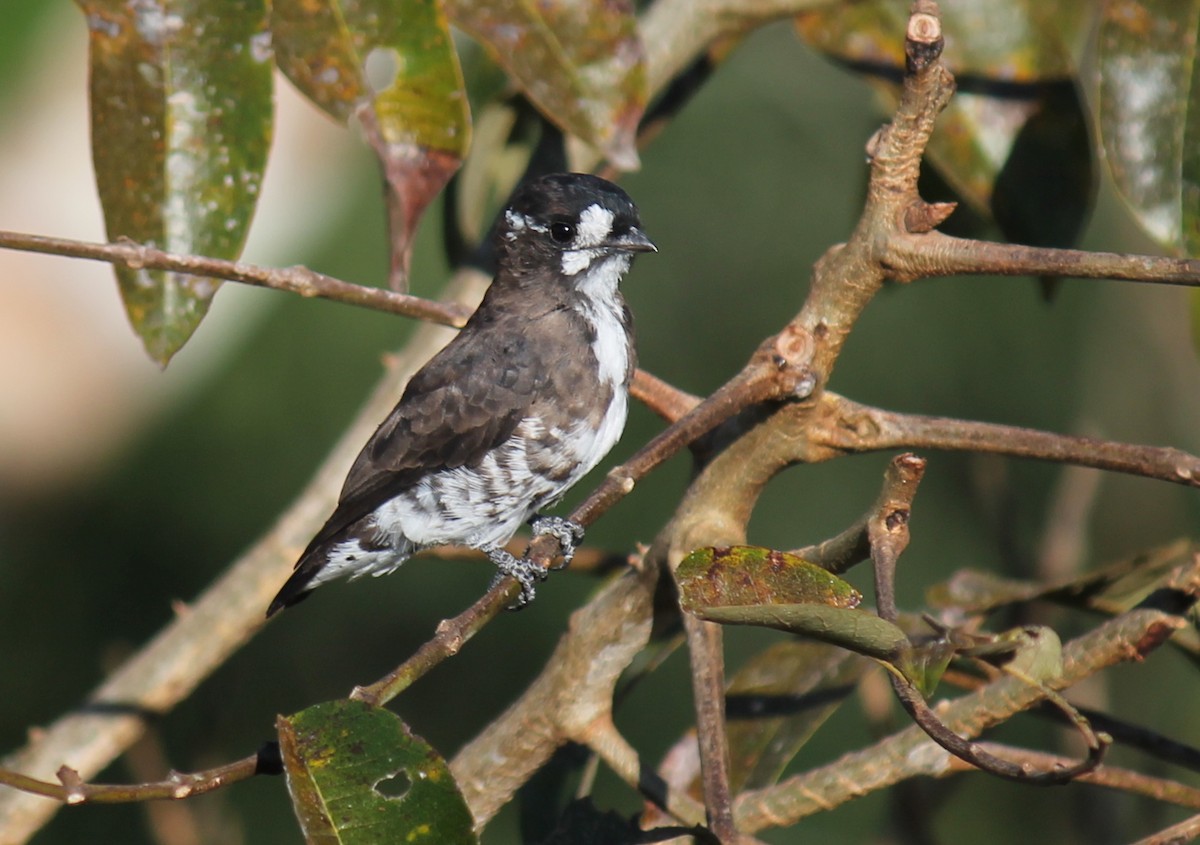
point(528, 397)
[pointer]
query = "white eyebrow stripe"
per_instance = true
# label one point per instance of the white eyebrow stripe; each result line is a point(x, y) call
point(595, 225)
point(517, 221)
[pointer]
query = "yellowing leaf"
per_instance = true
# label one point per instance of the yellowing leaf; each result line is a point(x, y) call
point(579, 61)
point(391, 65)
point(744, 575)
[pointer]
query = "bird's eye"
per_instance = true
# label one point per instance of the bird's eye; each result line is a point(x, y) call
point(562, 233)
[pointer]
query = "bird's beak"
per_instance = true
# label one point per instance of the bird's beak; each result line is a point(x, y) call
point(634, 240)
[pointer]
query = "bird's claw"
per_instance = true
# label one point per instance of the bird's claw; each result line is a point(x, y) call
point(522, 570)
point(569, 535)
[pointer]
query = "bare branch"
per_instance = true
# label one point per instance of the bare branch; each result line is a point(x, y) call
point(1112, 777)
point(1185, 831)
point(933, 254)
point(71, 788)
point(300, 280)
point(706, 652)
point(846, 426)
point(667, 401)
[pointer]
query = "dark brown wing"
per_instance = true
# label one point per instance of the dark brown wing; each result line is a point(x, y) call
point(465, 401)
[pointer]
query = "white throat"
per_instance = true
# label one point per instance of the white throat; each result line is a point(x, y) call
point(600, 303)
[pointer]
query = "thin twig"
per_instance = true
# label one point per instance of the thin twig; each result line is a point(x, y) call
point(451, 635)
point(849, 427)
point(1113, 777)
point(1177, 834)
point(708, 690)
point(299, 280)
point(667, 401)
point(977, 756)
point(71, 788)
point(888, 533)
point(933, 254)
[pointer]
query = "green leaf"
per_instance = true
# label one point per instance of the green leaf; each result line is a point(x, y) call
point(1037, 652)
point(778, 700)
point(1150, 114)
point(857, 630)
point(181, 125)
point(390, 65)
point(358, 776)
point(925, 664)
point(1111, 590)
point(579, 61)
point(744, 575)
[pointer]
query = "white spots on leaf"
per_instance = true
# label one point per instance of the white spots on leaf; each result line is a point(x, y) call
point(261, 48)
point(153, 23)
point(382, 68)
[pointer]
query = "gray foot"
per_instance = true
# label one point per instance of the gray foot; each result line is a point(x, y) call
point(525, 571)
point(569, 534)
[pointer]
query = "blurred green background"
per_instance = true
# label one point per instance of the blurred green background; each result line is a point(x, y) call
point(759, 175)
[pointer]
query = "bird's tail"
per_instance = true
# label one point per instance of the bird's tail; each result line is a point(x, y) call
point(299, 585)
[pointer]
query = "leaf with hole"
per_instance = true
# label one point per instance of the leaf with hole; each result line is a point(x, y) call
point(358, 776)
point(391, 65)
point(181, 124)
